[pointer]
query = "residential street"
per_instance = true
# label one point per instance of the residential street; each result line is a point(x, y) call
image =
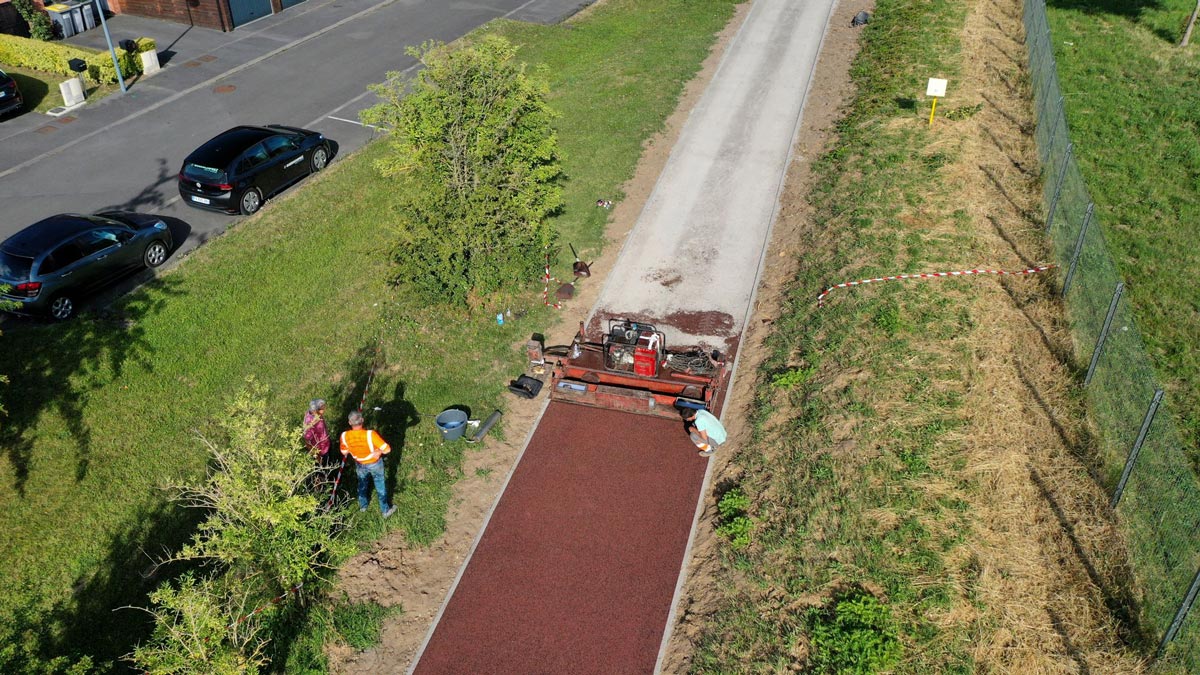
point(308, 66)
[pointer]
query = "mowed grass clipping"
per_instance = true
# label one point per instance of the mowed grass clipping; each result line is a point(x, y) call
point(105, 411)
point(1133, 108)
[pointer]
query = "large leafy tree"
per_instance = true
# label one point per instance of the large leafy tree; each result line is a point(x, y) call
point(477, 158)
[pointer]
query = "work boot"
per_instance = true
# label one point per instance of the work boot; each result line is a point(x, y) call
point(390, 511)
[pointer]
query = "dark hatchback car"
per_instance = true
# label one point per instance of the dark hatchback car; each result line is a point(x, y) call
point(240, 169)
point(10, 94)
point(49, 265)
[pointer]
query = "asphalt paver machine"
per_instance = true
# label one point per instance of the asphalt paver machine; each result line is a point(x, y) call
point(631, 369)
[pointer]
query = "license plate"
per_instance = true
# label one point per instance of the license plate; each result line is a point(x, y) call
point(201, 200)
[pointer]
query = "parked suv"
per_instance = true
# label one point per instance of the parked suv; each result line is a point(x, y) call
point(47, 266)
point(10, 94)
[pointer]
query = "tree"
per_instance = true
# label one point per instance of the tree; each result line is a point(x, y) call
point(265, 526)
point(477, 159)
point(197, 632)
point(266, 533)
point(40, 26)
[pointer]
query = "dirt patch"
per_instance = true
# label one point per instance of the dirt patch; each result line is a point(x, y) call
point(392, 573)
point(828, 95)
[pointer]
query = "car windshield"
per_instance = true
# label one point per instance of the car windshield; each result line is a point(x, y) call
point(203, 174)
point(14, 266)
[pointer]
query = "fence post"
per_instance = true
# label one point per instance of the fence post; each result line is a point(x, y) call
point(1108, 318)
point(1062, 114)
point(1179, 616)
point(1137, 449)
point(1087, 219)
point(1062, 175)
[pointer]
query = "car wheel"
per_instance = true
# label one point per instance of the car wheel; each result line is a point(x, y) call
point(156, 254)
point(320, 159)
point(251, 201)
point(62, 307)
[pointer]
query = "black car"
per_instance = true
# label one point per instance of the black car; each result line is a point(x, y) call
point(240, 169)
point(10, 94)
point(47, 266)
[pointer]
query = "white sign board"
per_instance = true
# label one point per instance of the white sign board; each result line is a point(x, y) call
point(936, 88)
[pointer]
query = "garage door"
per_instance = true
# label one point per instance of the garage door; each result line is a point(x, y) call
point(245, 11)
point(290, 3)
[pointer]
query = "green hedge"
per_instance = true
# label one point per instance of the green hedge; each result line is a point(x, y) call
point(53, 57)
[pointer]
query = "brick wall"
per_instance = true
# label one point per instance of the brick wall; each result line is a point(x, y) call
point(204, 13)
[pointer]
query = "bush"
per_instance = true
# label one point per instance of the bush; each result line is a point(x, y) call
point(733, 523)
point(475, 145)
point(40, 25)
point(856, 635)
point(54, 57)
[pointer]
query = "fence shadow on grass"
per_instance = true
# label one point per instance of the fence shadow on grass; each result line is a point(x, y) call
point(1129, 8)
point(55, 367)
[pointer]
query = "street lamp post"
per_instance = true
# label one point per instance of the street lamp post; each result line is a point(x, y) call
point(111, 50)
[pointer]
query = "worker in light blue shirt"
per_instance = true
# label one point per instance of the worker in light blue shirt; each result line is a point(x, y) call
point(704, 429)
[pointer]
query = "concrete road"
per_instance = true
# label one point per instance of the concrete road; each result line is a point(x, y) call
point(693, 260)
point(308, 66)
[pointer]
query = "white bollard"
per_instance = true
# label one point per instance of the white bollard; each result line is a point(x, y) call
point(150, 63)
point(72, 92)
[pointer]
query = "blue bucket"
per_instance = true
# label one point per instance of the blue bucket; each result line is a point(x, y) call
point(452, 424)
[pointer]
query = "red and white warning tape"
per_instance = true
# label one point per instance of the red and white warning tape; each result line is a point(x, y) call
point(928, 275)
point(546, 279)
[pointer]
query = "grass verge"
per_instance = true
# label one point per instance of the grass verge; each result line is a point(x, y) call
point(104, 411)
point(40, 90)
point(1134, 110)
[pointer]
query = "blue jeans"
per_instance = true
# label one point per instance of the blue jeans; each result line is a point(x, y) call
point(374, 471)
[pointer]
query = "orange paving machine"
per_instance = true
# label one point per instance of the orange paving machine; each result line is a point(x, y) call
point(632, 370)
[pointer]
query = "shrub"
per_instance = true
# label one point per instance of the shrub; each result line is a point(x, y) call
point(474, 143)
point(733, 523)
point(40, 26)
point(855, 635)
point(54, 57)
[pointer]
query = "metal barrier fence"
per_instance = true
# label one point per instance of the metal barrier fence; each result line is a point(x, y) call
point(1144, 457)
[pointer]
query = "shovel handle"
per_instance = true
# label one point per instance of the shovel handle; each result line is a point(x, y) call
point(572, 247)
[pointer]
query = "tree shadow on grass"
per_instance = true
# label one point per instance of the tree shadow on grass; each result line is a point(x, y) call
point(99, 619)
point(56, 367)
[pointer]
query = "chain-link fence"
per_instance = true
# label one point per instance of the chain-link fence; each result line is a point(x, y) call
point(1144, 457)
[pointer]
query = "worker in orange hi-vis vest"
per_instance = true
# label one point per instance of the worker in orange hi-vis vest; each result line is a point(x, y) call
point(367, 448)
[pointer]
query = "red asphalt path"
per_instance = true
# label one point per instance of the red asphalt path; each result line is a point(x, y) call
point(576, 569)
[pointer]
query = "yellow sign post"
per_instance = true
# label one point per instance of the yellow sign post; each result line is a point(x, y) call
point(936, 89)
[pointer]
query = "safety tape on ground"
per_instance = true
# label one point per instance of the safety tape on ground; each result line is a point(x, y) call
point(929, 275)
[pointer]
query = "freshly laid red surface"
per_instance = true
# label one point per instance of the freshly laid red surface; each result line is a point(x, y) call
point(577, 567)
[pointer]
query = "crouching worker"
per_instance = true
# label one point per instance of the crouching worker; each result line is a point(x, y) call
point(704, 428)
point(367, 448)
